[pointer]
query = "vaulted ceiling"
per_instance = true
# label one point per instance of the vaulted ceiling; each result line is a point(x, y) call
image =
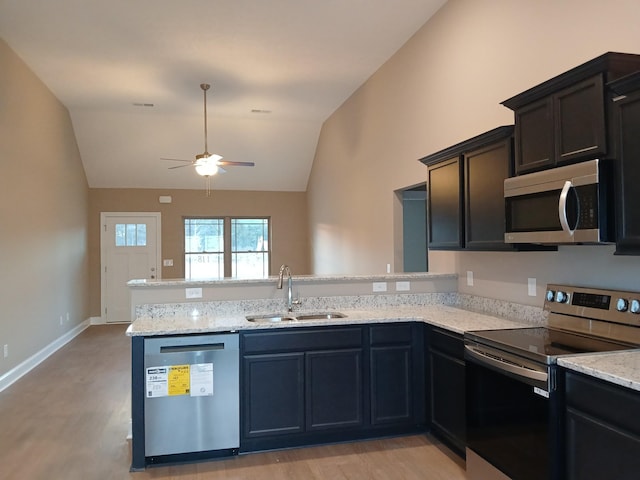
point(129, 73)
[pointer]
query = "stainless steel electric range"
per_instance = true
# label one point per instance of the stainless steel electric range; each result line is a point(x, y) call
point(515, 423)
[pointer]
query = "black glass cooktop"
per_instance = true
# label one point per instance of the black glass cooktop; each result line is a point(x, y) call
point(541, 343)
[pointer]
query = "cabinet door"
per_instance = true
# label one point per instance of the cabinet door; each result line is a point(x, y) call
point(273, 394)
point(444, 192)
point(334, 389)
point(447, 387)
point(448, 414)
point(485, 171)
point(391, 385)
point(598, 450)
point(579, 113)
point(534, 136)
point(627, 112)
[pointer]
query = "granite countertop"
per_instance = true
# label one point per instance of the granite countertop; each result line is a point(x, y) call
point(143, 283)
point(451, 318)
point(621, 368)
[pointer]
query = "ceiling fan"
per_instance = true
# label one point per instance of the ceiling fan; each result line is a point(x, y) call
point(208, 164)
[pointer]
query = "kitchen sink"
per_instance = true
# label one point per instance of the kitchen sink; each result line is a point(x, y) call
point(320, 316)
point(271, 318)
point(290, 317)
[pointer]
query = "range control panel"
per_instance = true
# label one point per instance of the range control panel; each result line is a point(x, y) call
point(599, 304)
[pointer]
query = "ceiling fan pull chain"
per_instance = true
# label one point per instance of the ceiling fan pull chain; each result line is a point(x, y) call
point(208, 185)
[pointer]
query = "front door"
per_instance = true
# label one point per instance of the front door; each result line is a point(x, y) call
point(129, 249)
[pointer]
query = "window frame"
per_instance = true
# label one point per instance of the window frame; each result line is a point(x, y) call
point(227, 244)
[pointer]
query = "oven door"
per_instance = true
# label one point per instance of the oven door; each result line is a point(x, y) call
point(513, 419)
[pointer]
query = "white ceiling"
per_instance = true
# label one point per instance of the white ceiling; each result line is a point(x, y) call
point(298, 59)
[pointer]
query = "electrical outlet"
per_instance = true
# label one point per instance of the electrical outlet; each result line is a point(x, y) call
point(379, 286)
point(193, 292)
point(67, 317)
point(61, 321)
point(531, 287)
point(469, 278)
point(6, 350)
point(403, 286)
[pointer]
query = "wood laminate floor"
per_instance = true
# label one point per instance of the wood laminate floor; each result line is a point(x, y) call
point(68, 419)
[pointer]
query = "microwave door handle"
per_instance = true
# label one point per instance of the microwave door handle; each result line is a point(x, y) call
point(562, 208)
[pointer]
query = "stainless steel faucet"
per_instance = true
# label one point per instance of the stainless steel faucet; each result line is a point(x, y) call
point(290, 301)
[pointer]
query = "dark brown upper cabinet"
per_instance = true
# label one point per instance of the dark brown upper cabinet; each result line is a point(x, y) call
point(625, 94)
point(567, 118)
point(465, 192)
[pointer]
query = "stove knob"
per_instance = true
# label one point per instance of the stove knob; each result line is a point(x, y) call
point(562, 297)
point(550, 295)
point(635, 306)
point(622, 305)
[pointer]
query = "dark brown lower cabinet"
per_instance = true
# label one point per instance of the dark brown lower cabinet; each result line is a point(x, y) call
point(334, 389)
point(305, 386)
point(397, 375)
point(447, 412)
point(602, 430)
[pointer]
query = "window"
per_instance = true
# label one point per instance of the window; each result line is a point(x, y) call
point(226, 247)
point(131, 234)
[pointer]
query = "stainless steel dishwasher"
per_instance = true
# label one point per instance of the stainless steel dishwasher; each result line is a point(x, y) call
point(192, 394)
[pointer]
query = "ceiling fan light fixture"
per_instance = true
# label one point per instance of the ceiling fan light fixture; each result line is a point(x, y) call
point(208, 166)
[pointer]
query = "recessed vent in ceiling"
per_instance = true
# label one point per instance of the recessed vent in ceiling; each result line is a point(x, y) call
point(259, 110)
point(137, 104)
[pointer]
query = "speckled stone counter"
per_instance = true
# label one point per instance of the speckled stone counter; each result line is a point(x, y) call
point(446, 310)
point(621, 368)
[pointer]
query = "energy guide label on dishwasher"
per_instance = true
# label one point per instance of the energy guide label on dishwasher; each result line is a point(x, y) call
point(175, 380)
point(157, 381)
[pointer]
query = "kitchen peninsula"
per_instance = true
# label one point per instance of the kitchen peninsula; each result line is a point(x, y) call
point(380, 339)
point(376, 371)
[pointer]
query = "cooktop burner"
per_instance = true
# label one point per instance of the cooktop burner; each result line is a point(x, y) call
point(581, 320)
point(543, 344)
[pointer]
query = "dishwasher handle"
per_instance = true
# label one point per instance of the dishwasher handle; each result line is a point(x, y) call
point(191, 348)
point(505, 365)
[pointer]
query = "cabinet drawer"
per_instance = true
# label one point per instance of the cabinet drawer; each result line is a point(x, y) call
point(302, 339)
point(447, 342)
point(605, 401)
point(391, 334)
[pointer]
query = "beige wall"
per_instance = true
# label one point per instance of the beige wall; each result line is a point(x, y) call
point(444, 86)
point(288, 212)
point(43, 216)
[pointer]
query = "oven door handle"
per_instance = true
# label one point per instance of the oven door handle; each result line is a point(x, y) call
point(506, 366)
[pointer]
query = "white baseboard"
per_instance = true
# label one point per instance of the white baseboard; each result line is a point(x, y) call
point(30, 363)
point(97, 321)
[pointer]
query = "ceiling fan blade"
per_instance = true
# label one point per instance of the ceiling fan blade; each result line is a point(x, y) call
point(181, 166)
point(235, 164)
point(177, 160)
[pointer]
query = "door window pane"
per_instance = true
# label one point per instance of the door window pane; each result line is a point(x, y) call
point(131, 235)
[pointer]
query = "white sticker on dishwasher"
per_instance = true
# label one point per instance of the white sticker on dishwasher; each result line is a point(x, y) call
point(541, 392)
point(201, 379)
point(157, 382)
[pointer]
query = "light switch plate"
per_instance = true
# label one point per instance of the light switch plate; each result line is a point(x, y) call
point(167, 262)
point(531, 287)
point(379, 286)
point(469, 278)
point(193, 292)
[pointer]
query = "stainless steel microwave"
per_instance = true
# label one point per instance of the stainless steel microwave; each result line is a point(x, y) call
point(563, 205)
